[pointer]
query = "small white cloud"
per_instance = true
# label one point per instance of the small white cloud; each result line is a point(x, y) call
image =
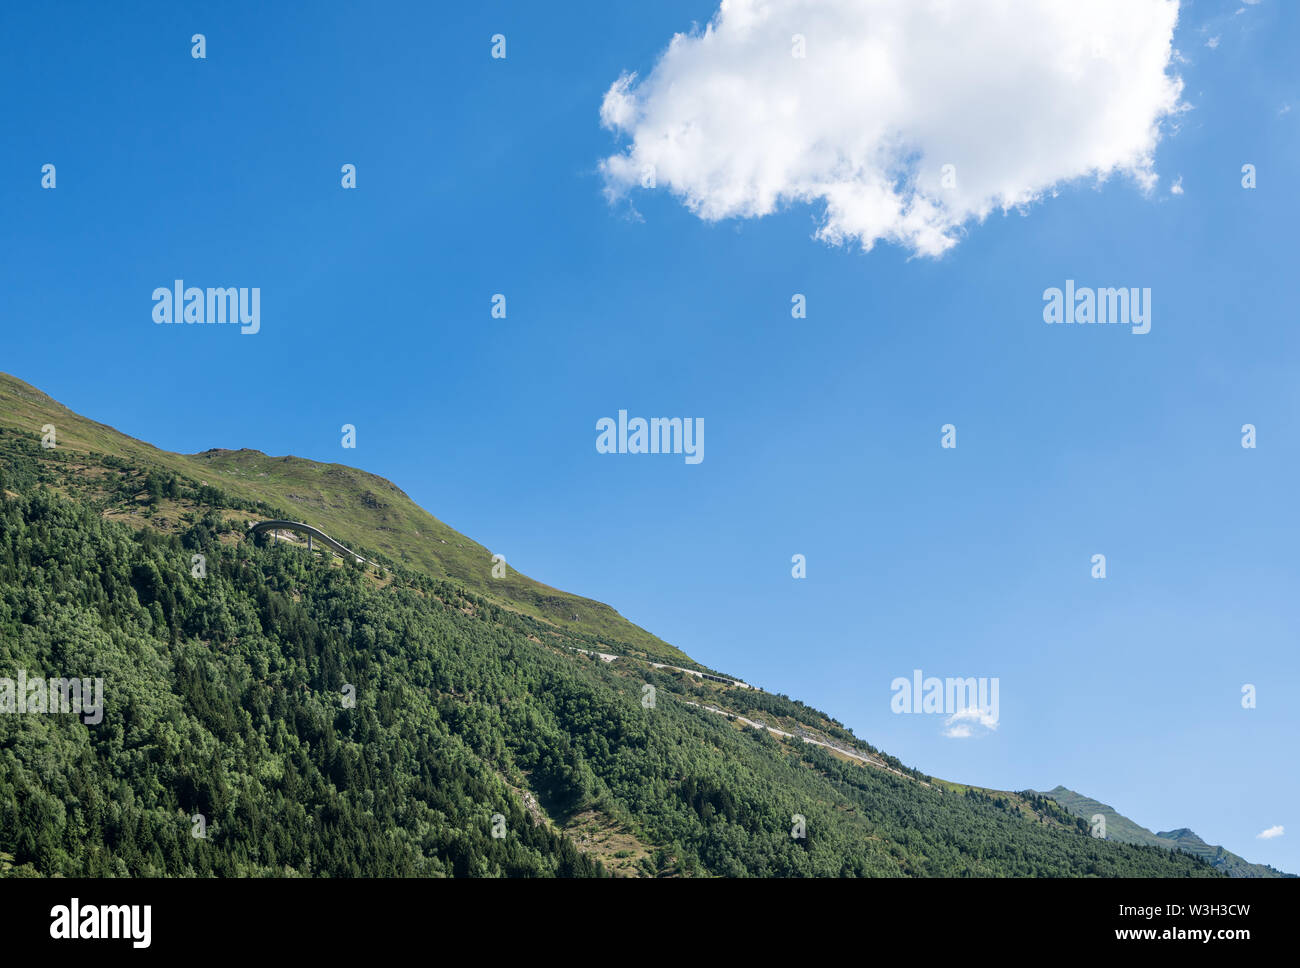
point(1283, 110)
point(1213, 42)
point(1177, 187)
point(1271, 832)
point(899, 120)
point(958, 725)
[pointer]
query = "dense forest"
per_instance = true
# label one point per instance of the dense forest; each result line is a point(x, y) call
point(315, 718)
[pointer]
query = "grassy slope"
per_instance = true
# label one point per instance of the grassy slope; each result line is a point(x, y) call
point(365, 512)
point(1121, 828)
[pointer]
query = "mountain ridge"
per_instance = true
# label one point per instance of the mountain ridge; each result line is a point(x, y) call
point(387, 523)
point(604, 743)
point(1121, 828)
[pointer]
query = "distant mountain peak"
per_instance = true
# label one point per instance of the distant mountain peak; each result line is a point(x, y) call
point(1121, 828)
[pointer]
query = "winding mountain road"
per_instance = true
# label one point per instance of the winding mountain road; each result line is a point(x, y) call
point(310, 532)
point(755, 724)
point(867, 760)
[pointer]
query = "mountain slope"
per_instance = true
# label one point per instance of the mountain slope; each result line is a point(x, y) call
point(311, 716)
point(1124, 830)
point(365, 512)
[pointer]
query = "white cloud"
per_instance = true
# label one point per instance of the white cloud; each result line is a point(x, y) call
point(1017, 97)
point(1271, 832)
point(958, 725)
point(1177, 187)
point(1213, 42)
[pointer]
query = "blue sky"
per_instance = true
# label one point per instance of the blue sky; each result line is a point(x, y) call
point(479, 176)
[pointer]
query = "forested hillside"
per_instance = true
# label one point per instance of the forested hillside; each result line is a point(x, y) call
point(325, 718)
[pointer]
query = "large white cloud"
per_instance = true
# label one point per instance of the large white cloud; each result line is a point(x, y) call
point(1017, 95)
